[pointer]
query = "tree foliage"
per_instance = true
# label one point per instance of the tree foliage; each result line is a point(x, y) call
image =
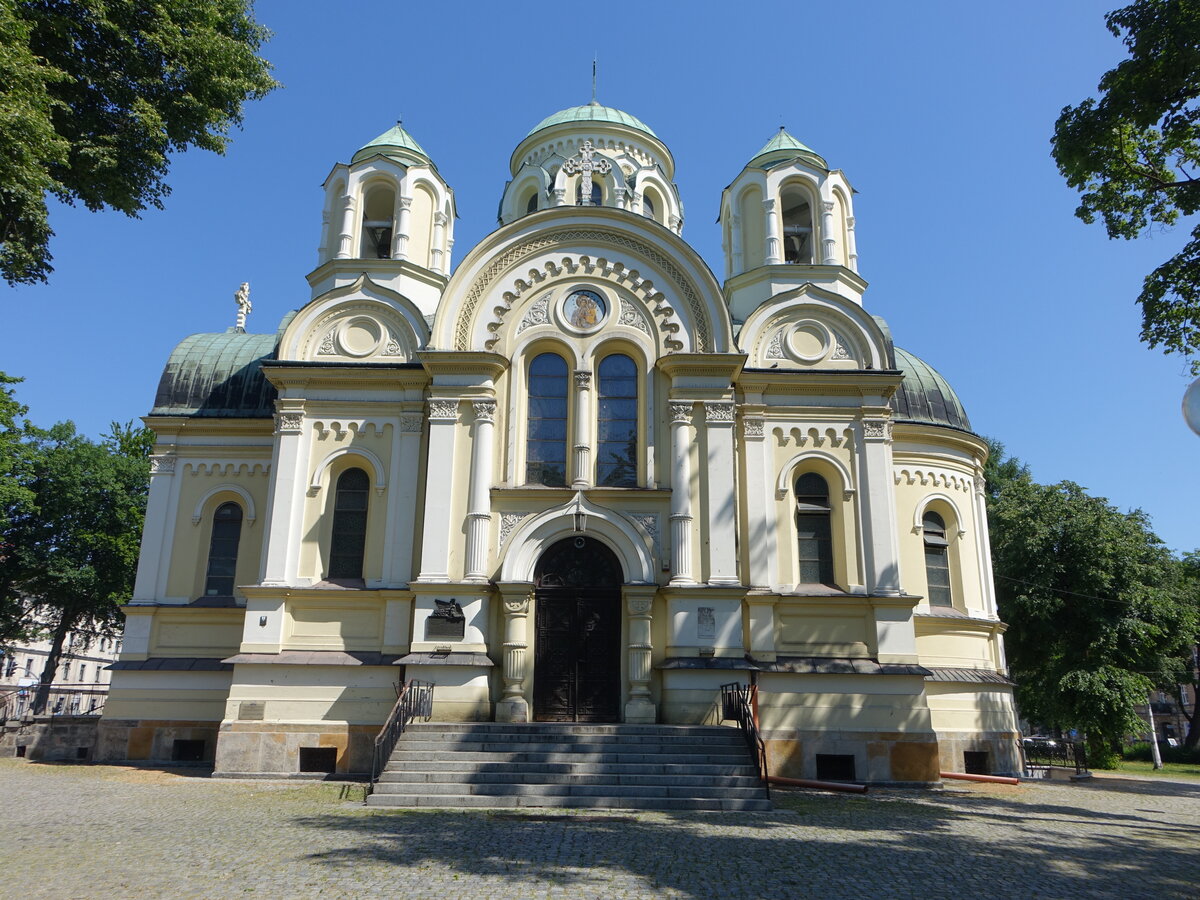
point(94, 95)
point(1097, 611)
point(73, 551)
point(1134, 153)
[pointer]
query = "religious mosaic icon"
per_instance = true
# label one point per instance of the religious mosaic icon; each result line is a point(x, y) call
point(584, 310)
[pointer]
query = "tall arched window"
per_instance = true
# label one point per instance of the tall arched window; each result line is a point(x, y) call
point(797, 227)
point(617, 438)
point(223, 551)
point(937, 562)
point(531, 206)
point(813, 529)
point(348, 539)
point(377, 223)
point(648, 207)
point(546, 431)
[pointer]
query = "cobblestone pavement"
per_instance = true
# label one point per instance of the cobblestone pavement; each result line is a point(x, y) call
point(98, 831)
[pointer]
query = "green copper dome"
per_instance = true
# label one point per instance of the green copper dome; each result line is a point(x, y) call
point(593, 112)
point(925, 396)
point(784, 146)
point(394, 142)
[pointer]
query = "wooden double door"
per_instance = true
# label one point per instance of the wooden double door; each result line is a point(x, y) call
point(577, 656)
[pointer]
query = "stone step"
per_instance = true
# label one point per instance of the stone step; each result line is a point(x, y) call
point(528, 756)
point(573, 790)
point(458, 778)
point(485, 801)
point(467, 738)
point(687, 731)
point(455, 766)
point(419, 746)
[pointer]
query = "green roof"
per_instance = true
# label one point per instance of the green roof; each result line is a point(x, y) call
point(782, 141)
point(218, 375)
point(592, 112)
point(925, 396)
point(394, 141)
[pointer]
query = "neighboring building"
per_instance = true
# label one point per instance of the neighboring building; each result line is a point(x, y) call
point(80, 684)
point(575, 478)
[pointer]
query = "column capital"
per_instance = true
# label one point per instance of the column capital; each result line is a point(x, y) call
point(681, 412)
point(162, 464)
point(485, 410)
point(444, 408)
point(583, 379)
point(752, 427)
point(289, 422)
point(720, 411)
point(877, 429)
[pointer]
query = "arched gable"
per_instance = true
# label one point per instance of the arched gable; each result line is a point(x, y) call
point(356, 323)
point(809, 327)
point(673, 283)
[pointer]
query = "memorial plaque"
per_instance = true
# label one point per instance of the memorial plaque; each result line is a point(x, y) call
point(706, 623)
point(252, 710)
point(446, 622)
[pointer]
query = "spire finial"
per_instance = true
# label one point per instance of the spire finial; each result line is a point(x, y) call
point(594, 103)
point(242, 298)
point(400, 121)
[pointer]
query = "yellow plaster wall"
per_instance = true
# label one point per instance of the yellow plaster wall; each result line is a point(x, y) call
point(191, 631)
point(321, 694)
point(342, 622)
point(970, 707)
point(945, 644)
point(872, 703)
point(191, 696)
point(420, 237)
point(842, 628)
point(965, 585)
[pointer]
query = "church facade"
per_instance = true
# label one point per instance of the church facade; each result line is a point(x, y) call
point(574, 478)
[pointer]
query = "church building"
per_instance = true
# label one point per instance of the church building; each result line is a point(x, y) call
point(576, 477)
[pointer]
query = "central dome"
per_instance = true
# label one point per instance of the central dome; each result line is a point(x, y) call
point(592, 112)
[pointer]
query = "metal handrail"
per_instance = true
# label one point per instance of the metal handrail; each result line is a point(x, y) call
point(737, 703)
point(415, 700)
point(60, 701)
point(1046, 753)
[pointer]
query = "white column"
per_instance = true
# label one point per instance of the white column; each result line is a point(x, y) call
point(158, 531)
point(402, 498)
point(560, 196)
point(439, 240)
point(513, 706)
point(285, 501)
point(323, 247)
point(439, 484)
point(639, 603)
point(636, 204)
point(449, 246)
point(400, 238)
point(479, 510)
point(722, 494)
point(622, 197)
point(583, 431)
point(346, 235)
point(677, 224)
point(774, 256)
point(828, 235)
point(681, 494)
point(851, 244)
point(735, 241)
point(878, 508)
point(760, 500)
point(983, 547)
point(761, 640)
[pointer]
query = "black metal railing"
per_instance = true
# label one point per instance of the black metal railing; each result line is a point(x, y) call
point(737, 703)
point(415, 700)
point(1043, 754)
point(63, 701)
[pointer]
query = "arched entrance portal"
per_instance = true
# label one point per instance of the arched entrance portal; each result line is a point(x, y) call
point(577, 656)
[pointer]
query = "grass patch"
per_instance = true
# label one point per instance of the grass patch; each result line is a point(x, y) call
point(1190, 771)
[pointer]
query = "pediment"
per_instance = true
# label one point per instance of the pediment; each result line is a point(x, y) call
point(361, 322)
point(810, 328)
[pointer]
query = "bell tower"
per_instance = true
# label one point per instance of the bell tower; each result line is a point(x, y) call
point(389, 215)
point(787, 220)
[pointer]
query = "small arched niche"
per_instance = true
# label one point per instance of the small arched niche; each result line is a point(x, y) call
point(796, 207)
point(379, 204)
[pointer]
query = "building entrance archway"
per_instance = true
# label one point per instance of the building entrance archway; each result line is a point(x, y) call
point(577, 655)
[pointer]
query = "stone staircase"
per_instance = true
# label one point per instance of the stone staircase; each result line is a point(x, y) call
point(495, 764)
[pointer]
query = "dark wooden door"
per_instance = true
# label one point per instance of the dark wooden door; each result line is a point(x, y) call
point(577, 659)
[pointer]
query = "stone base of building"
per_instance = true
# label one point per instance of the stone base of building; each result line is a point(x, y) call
point(872, 757)
point(246, 749)
point(981, 752)
point(50, 738)
point(156, 740)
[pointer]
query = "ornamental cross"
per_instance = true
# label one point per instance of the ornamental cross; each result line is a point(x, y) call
point(587, 162)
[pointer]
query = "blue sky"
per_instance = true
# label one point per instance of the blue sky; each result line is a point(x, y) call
point(940, 114)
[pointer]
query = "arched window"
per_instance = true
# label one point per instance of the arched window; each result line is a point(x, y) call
point(594, 198)
point(648, 207)
point(813, 529)
point(617, 438)
point(937, 562)
point(797, 227)
point(531, 206)
point(348, 539)
point(377, 223)
point(223, 551)
point(546, 434)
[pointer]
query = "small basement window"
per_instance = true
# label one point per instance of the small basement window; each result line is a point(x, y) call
point(318, 759)
point(187, 751)
point(975, 762)
point(835, 767)
point(20, 750)
point(81, 752)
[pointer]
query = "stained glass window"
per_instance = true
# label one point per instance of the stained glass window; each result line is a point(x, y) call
point(617, 438)
point(546, 435)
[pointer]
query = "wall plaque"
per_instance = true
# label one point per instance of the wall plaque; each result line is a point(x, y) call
point(251, 710)
point(706, 623)
point(446, 622)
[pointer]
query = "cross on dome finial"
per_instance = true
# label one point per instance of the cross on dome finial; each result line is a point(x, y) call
point(594, 103)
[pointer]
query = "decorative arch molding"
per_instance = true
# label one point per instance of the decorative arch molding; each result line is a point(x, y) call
point(926, 502)
point(379, 482)
point(783, 483)
point(933, 478)
point(709, 331)
point(848, 323)
point(817, 437)
point(247, 500)
point(226, 467)
point(319, 330)
point(535, 534)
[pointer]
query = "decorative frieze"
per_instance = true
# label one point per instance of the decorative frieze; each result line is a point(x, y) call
point(162, 464)
point(538, 313)
point(879, 429)
point(720, 412)
point(632, 316)
point(509, 521)
point(411, 423)
point(288, 422)
point(752, 426)
point(443, 409)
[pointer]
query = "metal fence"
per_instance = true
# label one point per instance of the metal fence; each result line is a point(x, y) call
point(66, 701)
point(1042, 755)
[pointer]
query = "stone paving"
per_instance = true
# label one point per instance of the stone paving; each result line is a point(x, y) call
point(98, 831)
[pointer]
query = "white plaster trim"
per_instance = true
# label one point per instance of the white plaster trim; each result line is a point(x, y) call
point(380, 482)
point(783, 483)
point(536, 533)
point(919, 514)
point(251, 515)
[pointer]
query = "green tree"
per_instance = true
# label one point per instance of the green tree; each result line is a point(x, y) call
point(73, 552)
point(1185, 668)
point(15, 497)
point(94, 95)
point(1134, 154)
point(1094, 607)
